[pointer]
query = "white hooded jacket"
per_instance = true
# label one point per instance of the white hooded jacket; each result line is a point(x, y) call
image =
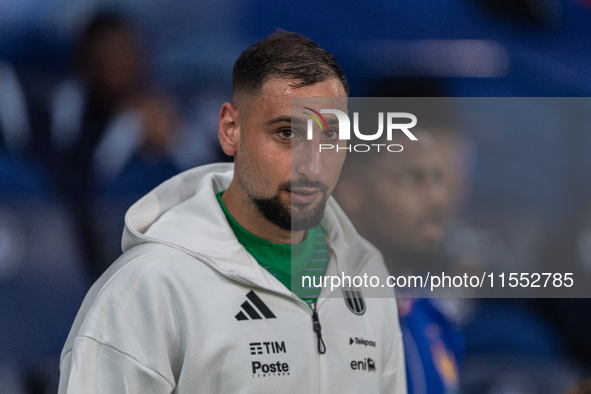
point(186, 309)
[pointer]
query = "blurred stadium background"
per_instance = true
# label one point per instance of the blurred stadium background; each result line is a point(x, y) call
point(524, 185)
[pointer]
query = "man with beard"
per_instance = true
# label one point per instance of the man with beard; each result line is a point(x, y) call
point(398, 202)
point(204, 297)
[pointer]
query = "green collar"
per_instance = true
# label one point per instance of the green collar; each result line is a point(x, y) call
point(289, 259)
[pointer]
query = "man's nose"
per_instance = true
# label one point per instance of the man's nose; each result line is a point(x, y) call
point(434, 194)
point(438, 195)
point(307, 160)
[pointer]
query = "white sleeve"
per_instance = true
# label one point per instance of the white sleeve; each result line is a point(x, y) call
point(95, 368)
point(128, 340)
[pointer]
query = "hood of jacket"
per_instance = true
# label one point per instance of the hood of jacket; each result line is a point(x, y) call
point(185, 214)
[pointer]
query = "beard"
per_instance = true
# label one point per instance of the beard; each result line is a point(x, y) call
point(305, 216)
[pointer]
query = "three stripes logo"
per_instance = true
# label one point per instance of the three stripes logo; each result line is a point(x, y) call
point(251, 309)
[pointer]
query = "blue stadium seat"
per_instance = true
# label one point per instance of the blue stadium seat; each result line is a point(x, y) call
point(42, 278)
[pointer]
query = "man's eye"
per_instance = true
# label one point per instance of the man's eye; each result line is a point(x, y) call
point(286, 133)
point(331, 134)
point(412, 178)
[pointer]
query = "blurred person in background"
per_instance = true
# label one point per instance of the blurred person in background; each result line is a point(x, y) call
point(398, 202)
point(105, 120)
point(412, 206)
point(509, 344)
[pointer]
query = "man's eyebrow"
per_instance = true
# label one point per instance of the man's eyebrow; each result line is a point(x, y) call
point(288, 119)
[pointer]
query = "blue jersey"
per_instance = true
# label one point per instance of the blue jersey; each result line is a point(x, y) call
point(433, 346)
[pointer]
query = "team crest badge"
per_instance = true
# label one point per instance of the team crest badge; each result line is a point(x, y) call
point(354, 300)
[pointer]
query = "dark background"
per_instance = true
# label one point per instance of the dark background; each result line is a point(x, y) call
point(523, 183)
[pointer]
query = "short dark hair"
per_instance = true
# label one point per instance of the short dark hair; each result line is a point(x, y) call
point(104, 21)
point(284, 55)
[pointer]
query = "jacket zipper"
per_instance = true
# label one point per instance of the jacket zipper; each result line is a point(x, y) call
point(321, 347)
point(318, 330)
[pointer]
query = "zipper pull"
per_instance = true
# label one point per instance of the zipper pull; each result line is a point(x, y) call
point(318, 330)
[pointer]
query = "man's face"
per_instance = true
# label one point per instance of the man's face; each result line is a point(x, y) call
point(114, 62)
point(282, 173)
point(408, 197)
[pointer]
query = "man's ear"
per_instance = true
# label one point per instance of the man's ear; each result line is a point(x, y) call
point(229, 129)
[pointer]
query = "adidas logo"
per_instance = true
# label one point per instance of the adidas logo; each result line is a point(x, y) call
point(252, 311)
